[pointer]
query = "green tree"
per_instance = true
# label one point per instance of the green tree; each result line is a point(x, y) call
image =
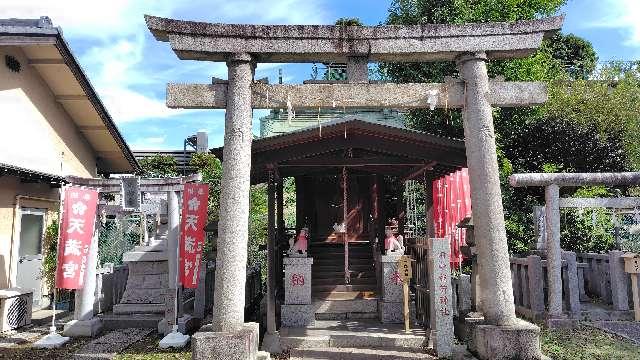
point(576, 55)
point(211, 169)
point(159, 166)
point(559, 135)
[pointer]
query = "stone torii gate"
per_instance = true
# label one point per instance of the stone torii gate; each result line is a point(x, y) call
point(552, 183)
point(469, 45)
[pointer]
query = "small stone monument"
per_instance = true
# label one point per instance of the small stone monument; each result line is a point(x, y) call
point(441, 311)
point(390, 304)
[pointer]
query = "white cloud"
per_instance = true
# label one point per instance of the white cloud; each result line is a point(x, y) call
point(127, 78)
point(149, 143)
point(623, 15)
point(88, 18)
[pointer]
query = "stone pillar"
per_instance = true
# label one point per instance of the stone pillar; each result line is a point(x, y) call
point(173, 242)
point(619, 281)
point(536, 291)
point(231, 261)
point(357, 69)
point(554, 252)
point(271, 253)
point(570, 282)
point(493, 254)
point(83, 323)
point(297, 310)
point(440, 299)
point(229, 337)
point(390, 304)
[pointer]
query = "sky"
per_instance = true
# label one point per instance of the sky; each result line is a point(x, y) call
point(130, 69)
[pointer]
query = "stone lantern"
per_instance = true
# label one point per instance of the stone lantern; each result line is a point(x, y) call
point(470, 250)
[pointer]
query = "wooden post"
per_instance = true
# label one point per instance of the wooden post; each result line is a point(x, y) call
point(345, 238)
point(636, 298)
point(300, 204)
point(428, 207)
point(404, 269)
point(405, 292)
point(632, 266)
point(271, 254)
point(280, 207)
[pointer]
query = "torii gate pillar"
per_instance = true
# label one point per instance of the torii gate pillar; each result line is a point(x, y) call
point(502, 334)
point(231, 337)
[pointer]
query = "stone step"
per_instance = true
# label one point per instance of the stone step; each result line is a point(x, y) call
point(340, 255)
point(345, 306)
point(340, 268)
point(317, 275)
point(357, 354)
point(327, 288)
point(139, 308)
point(361, 334)
point(345, 295)
point(113, 321)
point(339, 281)
point(340, 261)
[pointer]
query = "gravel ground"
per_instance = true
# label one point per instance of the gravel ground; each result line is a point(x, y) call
point(627, 329)
point(112, 343)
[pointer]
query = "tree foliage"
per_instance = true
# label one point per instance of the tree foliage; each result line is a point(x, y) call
point(586, 125)
point(159, 166)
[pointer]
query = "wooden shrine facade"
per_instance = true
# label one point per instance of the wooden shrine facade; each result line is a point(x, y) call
point(348, 161)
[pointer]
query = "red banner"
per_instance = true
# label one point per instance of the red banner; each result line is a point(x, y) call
point(451, 204)
point(195, 200)
point(76, 233)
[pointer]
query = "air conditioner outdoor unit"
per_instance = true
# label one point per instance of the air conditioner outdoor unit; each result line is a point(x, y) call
point(15, 308)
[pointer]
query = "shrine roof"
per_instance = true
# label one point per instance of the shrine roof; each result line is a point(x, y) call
point(46, 51)
point(352, 142)
point(318, 43)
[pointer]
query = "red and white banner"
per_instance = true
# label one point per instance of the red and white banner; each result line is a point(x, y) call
point(195, 200)
point(451, 204)
point(76, 233)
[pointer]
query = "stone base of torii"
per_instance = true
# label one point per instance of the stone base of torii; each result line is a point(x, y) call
point(501, 335)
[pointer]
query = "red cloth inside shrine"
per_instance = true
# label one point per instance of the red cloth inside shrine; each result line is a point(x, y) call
point(451, 204)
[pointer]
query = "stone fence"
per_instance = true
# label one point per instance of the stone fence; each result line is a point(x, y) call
point(111, 283)
point(585, 277)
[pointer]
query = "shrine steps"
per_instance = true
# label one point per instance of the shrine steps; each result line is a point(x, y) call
point(358, 334)
point(328, 268)
point(362, 308)
point(113, 321)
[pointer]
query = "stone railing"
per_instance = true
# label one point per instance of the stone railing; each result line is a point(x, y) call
point(110, 284)
point(585, 277)
point(527, 278)
point(203, 299)
point(417, 249)
point(602, 277)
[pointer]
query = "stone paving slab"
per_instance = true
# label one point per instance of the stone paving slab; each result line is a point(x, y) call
point(355, 354)
point(110, 344)
point(627, 329)
point(353, 334)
